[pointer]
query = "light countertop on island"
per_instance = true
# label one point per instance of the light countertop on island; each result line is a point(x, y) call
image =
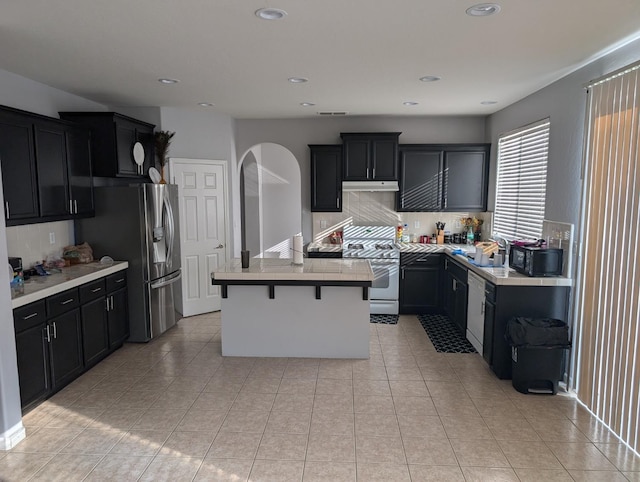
point(40, 287)
point(275, 269)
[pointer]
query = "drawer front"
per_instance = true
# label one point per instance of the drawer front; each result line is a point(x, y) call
point(420, 259)
point(29, 315)
point(93, 290)
point(62, 302)
point(116, 281)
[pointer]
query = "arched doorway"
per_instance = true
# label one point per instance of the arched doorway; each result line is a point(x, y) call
point(271, 203)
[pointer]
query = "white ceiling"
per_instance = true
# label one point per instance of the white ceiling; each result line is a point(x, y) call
point(360, 56)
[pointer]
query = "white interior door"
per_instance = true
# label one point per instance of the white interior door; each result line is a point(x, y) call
point(202, 191)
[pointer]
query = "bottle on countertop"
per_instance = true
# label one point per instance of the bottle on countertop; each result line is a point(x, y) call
point(399, 233)
point(405, 233)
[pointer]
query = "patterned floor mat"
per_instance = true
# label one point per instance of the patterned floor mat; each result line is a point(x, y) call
point(386, 319)
point(444, 335)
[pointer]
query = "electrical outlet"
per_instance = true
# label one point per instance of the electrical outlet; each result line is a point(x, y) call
point(416, 224)
point(323, 224)
point(52, 238)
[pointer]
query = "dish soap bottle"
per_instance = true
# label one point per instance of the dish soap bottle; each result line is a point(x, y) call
point(470, 236)
point(399, 233)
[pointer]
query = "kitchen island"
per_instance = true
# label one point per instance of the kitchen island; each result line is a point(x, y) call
point(277, 309)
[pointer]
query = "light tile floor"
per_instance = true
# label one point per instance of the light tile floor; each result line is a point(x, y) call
point(175, 409)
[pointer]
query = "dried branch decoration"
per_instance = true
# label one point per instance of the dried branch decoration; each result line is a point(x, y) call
point(162, 143)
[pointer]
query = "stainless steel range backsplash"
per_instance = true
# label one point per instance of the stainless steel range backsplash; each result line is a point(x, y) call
point(378, 208)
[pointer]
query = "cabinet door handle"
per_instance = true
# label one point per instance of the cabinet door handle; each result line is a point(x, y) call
point(66, 302)
point(374, 173)
point(6, 208)
point(75, 206)
point(455, 285)
point(95, 290)
point(338, 202)
point(71, 206)
point(367, 173)
point(482, 308)
point(107, 303)
point(48, 334)
point(120, 280)
point(30, 316)
point(402, 273)
point(55, 330)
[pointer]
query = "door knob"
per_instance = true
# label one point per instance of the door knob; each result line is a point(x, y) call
point(220, 246)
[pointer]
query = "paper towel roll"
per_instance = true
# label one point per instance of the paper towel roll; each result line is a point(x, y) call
point(296, 247)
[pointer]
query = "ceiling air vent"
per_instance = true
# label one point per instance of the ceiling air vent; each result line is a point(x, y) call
point(330, 113)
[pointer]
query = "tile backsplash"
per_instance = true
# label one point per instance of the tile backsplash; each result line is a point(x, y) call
point(32, 242)
point(378, 208)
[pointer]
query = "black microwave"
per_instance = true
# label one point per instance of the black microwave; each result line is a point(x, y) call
point(535, 261)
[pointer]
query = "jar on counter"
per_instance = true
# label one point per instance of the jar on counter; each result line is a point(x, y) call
point(434, 239)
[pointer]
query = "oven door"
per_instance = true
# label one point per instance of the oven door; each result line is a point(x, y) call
point(383, 294)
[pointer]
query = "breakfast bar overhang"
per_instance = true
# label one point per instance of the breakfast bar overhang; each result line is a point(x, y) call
point(277, 309)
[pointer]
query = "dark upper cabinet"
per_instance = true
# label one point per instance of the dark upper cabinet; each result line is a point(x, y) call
point(113, 137)
point(80, 177)
point(465, 179)
point(326, 178)
point(51, 155)
point(46, 168)
point(370, 156)
point(443, 177)
point(17, 157)
point(420, 180)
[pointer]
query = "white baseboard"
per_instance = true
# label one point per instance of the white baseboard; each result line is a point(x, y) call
point(12, 437)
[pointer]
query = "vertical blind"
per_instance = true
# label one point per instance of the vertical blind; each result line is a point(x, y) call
point(608, 349)
point(522, 182)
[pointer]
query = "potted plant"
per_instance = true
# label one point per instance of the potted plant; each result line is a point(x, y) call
point(162, 143)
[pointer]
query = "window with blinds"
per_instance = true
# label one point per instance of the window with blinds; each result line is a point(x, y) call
point(522, 182)
point(608, 304)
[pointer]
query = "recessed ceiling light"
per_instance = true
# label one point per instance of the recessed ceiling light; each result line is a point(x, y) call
point(205, 104)
point(271, 13)
point(168, 81)
point(409, 103)
point(429, 78)
point(489, 102)
point(483, 9)
point(306, 104)
point(298, 80)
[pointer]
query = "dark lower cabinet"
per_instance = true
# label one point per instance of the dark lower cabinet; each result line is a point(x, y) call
point(455, 293)
point(62, 336)
point(95, 331)
point(420, 283)
point(32, 349)
point(65, 348)
point(118, 318)
point(528, 301)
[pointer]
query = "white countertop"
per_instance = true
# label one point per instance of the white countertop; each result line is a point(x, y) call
point(39, 287)
point(316, 269)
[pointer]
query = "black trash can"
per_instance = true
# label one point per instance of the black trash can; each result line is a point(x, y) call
point(537, 353)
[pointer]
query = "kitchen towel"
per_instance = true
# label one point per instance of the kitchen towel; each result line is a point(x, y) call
point(296, 247)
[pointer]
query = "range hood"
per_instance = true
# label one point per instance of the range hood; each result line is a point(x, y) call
point(370, 186)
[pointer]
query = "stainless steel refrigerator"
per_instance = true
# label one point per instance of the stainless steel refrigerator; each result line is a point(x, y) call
point(139, 224)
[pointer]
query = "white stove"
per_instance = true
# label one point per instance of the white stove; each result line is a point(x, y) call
point(377, 244)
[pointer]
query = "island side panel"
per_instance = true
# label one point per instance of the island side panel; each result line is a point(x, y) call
point(295, 323)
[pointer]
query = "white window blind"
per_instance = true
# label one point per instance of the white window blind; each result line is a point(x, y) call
point(522, 182)
point(608, 307)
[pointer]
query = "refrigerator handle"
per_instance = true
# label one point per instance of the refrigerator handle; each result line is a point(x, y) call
point(167, 281)
point(170, 228)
